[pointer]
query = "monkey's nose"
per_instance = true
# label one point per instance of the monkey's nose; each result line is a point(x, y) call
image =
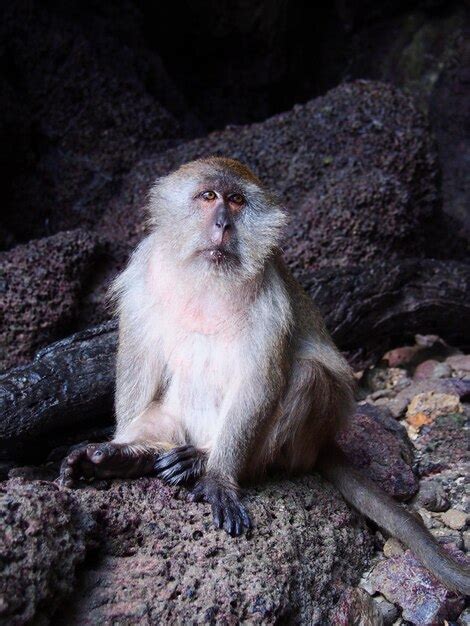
point(222, 224)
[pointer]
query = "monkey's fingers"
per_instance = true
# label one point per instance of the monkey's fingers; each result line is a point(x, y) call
point(74, 466)
point(227, 510)
point(235, 517)
point(181, 465)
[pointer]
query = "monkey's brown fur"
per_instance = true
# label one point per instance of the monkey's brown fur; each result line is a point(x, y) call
point(225, 368)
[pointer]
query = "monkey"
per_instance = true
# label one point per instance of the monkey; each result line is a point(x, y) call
point(225, 369)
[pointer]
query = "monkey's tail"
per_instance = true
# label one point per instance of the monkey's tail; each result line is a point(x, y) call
point(372, 502)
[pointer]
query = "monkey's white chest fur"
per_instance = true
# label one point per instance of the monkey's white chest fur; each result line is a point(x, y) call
point(201, 382)
point(200, 340)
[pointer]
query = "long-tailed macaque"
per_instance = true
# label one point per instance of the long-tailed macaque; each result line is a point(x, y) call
point(225, 368)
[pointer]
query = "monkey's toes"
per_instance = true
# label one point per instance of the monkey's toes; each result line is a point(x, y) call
point(70, 469)
point(227, 510)
point(181, 465)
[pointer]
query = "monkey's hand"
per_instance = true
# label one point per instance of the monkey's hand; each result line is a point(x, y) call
point(181, 465)
point(227, 510)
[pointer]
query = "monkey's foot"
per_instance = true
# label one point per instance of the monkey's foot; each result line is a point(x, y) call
point(105, 460)
point(227, 510)
point(181, 465)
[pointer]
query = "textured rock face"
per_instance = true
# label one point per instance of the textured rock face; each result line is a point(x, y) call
point(404, 581)
point(42, 283)
point(378, 445)
point(160, 560)
point(42, 540)
point(366, 136)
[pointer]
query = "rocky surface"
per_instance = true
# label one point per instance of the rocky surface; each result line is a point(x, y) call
point(42, 283)
point(155, 557)
point(440, 443)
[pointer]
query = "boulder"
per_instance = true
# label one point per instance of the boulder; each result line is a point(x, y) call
point(157, 557)
point(42, 285)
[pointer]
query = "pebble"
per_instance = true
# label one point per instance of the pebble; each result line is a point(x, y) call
point(392, 547)
point(453, 518)
point(432, 496)
point(466, 540)
point(447, 535)
point(425, 407)
point(464, 619)
point(389, 611)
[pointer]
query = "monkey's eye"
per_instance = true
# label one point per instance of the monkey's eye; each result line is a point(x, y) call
point(209, 195)
point(237, 198)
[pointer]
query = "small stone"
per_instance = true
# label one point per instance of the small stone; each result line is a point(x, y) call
point(400, 356)
point(453, 518)
point(448, 536)
point(425, 369)
point(389, 611)
point(466, 540)
point(356, 606)
point(424, 600)
point(432, 496)
point(380, 378)
point(430, 521)
point(393, 547)
point(442, 370)
point(464, 619)
point(425, 407)
point(459, 362)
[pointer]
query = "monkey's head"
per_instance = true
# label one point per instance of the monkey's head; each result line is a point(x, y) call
point(215, 215)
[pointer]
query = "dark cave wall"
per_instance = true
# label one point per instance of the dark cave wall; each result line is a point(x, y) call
point(89, 88)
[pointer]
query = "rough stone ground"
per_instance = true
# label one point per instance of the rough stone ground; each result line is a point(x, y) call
point(133, 552)
point(427, 388)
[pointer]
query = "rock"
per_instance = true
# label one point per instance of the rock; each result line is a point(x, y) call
point(42, 542)
point(432, 369)
point(426, 348)
point(425, 407)
point(157, 557)
point(389, 611)
point(356, 606)
point(432, 496)
point(464, 619)
point(392, 547)
point(444, 445)
point(390, 378)
point(460, 363)
point(374, 442)
point(42, 285)
point(354, 126)
point(401, 356)
point(466, 540)
point(453, 518)
point(423, 599)
point(452, 386)
point(447, 536)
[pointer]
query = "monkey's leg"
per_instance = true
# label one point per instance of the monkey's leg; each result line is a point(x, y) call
point(107, 460)
point(132, 453)
point(227, 510)
point(181, 465)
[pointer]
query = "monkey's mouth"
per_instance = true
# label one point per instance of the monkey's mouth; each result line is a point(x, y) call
point(218, 255)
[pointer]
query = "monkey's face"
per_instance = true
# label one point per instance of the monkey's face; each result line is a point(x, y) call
point(217, 217)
